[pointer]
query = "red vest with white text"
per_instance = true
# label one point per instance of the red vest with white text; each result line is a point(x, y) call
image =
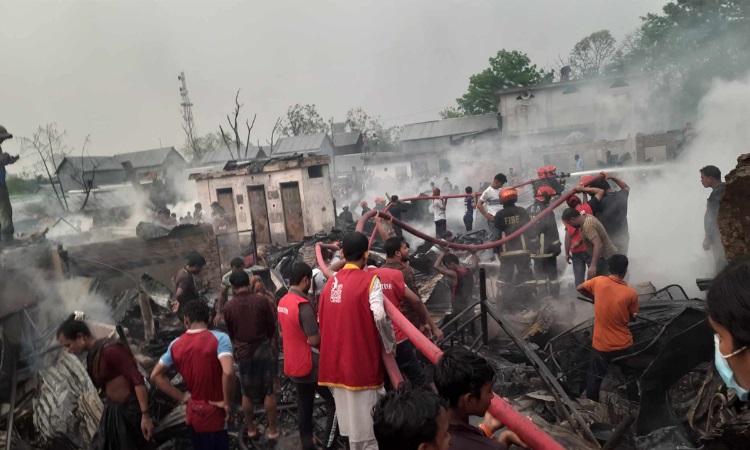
point(393, 290)
point(297, 352)
point(350, 345)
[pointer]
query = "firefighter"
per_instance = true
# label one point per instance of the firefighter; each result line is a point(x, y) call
point(549, 247)
point(514, 255)
point(548, 177)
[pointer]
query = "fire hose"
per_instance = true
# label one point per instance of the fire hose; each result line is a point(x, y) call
point(500, 408)
point(367, 215)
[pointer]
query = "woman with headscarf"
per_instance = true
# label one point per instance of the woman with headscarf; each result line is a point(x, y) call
point(438, 210)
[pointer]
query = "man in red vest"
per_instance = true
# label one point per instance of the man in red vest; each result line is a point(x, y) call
point(353, 330)
point(299, 330)
point(396, 291)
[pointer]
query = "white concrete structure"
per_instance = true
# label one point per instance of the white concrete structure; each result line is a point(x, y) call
point(598, 108)
point(284, 199)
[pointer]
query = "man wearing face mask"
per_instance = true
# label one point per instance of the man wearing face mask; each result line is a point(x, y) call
point(728, 304)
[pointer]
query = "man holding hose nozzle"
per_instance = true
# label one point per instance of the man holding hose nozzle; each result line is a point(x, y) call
point(489, 203)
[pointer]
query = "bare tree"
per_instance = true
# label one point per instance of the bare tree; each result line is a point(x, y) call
point(594, 52)
point(235, 128)
point(272, 143)
point(47, 143)
point(84, 176)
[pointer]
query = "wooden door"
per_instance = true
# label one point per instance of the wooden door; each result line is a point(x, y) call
point(224, 197)
point(256, 195)
point(290, 200)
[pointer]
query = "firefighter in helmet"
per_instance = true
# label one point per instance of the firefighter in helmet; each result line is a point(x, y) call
point(514, 255)
point(548, 246)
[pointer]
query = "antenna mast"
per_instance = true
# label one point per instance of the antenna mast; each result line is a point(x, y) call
point(187, 114)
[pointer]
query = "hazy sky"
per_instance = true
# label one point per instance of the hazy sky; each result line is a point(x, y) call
point(109, 68)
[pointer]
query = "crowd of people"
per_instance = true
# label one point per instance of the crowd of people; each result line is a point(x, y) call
point(333, 328)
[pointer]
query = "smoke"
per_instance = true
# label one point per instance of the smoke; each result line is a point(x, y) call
point(666, 213)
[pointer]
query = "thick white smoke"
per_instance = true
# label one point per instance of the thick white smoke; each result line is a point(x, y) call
point(666, 214)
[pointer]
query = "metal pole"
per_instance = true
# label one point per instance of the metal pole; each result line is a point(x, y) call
point(483, 305)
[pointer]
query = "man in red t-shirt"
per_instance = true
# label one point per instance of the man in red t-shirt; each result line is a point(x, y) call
point(354, 330)
point(204, 359)
point(299, 330)
point(395, 290)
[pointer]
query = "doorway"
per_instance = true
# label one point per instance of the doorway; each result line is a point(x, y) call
point(292, 205)
point(256, 195)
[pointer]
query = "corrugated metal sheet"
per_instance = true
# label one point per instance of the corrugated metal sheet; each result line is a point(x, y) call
point(345, 139)
point(450, 127)
point(89, 163)
point(300, 144)
point(146, 158)
point(222, 155)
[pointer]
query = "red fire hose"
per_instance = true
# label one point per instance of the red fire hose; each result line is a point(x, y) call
point(499, 407)
point(435, 197)
point(517, 233)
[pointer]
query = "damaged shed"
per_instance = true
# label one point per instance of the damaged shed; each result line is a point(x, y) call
point(281, 199)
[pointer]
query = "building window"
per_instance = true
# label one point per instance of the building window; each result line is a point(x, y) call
point(315, 171)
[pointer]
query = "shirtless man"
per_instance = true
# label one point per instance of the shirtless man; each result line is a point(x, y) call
point(125, 423)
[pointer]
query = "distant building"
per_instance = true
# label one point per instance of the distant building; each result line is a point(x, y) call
point(223, 155)
point(318, 144)
point(284, 198)
point(347, 143)
point(598, 108)
point(75, 172)
point(445, 135)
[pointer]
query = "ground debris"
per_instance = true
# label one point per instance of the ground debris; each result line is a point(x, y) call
point(67, 408)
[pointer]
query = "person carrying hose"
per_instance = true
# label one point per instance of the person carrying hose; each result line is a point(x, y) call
point(545, 258)
point(514, 255)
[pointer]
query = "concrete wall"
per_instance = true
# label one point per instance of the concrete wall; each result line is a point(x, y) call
point(606, 112)
point(657, 147)
point(391, 170)
point(161, 258)
point(562, 155)
point(315, 194)
point(439, 144)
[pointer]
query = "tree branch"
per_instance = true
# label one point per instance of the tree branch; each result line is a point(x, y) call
point(226, 142)
point(249, 129)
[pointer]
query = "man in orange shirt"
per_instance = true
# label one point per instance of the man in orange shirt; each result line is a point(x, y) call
point(615, 305)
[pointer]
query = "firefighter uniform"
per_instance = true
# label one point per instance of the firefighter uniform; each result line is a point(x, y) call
point(514, 255)
point(547, 250)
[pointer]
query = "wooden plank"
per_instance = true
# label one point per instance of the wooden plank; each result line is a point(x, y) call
point(256, 195)
point(292, 205)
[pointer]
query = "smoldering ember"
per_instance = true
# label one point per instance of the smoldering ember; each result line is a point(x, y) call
point(558, 260)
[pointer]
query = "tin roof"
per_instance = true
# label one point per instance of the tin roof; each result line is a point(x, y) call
point(300, 144)
point(346, 139)
point(450, 127)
